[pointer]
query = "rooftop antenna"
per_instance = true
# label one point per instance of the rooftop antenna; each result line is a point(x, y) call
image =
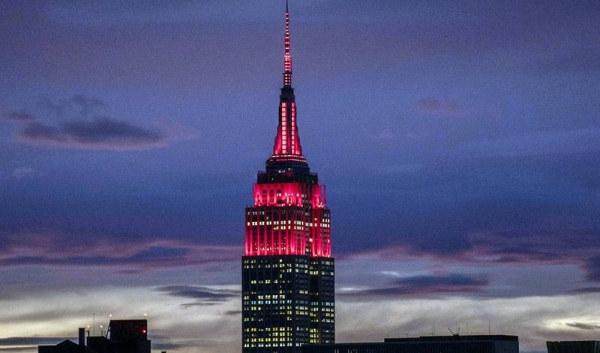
point(287, 57)
point(454, 334)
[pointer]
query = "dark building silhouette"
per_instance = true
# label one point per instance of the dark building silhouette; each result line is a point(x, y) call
point(573, 346)
point(287, 271)
point(66, 346)
point(123, 336)
point(425, 344)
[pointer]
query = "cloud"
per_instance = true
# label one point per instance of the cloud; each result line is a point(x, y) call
point(534, 319)
point(583, 326)
point(78, 129)
point(69, 261)
point(539, 244)
point(436, 107)
point(197, 292)
point(587, 290)
point(199, 303)
point(426, 284)
point(233, 312)
point(18, 116)
point(161, 253)
point(66, 250)
point(102, 133)
point(148, 257)
point(203, 296)
point(452, 280)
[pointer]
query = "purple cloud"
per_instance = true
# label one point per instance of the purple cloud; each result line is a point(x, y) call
point(64, 250)
point(78, 131)
point(160, 253)
point(203, 296)
point(19, 116)
point(102, 133)
point(556, 244)
point(427, 284)
point(536, 244)
point(37, 132)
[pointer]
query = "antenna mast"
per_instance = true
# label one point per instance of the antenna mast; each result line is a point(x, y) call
point(287, 57)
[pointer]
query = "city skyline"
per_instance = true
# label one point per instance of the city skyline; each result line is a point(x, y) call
point(458, 143)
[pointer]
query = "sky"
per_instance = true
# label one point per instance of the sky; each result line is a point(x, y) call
point(459, 142)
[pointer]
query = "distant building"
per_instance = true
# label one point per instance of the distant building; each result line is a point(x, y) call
point(425, 344)
point(123, 336)
point(573, 347)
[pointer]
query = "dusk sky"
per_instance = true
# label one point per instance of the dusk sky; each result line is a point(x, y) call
point(459, 142)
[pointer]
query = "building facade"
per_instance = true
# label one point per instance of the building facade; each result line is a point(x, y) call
point(425, 344)
point(287, 270)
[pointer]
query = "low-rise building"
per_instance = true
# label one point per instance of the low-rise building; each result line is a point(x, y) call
point(123, 336)
point(425, 344)
point(573, 346)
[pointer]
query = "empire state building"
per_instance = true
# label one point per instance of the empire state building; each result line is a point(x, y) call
point(287, 271)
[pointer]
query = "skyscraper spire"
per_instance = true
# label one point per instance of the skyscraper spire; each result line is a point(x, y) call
point(287, 152)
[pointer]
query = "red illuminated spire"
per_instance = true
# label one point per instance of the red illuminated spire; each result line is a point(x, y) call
point(287, 152)
point(287, 57)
